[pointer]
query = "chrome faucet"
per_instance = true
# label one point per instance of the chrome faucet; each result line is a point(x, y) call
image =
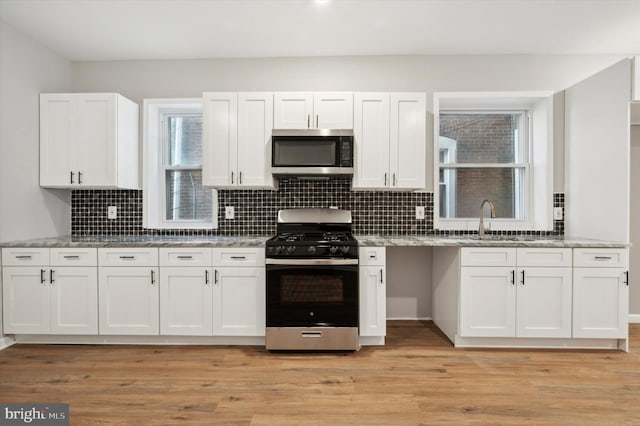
point(493, 215)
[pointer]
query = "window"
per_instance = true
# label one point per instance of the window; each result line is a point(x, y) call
point(173, 193)
point(488, 147)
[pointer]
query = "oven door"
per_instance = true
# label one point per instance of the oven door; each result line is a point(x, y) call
point(308, 295)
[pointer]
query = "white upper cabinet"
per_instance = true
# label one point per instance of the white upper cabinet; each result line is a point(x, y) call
point(88, 140)
point(313, 110)
point(237, 139)
point(390, 139)
point(597, 152)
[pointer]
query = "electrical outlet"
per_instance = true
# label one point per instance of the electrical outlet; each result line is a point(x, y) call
point(557, 213)
point(420, 212)
point(229, 212)
point(112, 212)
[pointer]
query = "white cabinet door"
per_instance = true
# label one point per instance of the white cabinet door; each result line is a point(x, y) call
point(293, 110)
point(25, 300)
point(487, 302)
point(600, 302)
point(186, 302)
point(543, 307)
point(408, 140)
point(373, 302)
point(239, 302)
point(96, 139)
point(220, 138)
point(371, 138)
point(255, 122)
point(333, 110)
point(58, 139)
point(74, 300)
point(128, 300)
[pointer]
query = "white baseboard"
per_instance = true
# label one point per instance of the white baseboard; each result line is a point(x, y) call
point(410, 319)
point(5, 342)
point(634, 318)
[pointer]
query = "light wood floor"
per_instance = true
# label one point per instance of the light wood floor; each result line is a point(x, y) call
point(418, 378)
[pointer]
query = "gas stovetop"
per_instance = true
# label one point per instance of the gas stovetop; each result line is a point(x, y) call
point(313, 233)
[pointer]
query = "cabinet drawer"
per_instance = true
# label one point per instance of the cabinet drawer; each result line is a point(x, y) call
point(601, 258)
point(27, 256)
point(74, 257)
point(128, 256)
point(233, 256)
point(184, 256)
point(553, 257)
point(487, 256)
point(374, 256)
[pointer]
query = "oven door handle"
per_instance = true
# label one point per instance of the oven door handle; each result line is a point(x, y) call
point(311, 262)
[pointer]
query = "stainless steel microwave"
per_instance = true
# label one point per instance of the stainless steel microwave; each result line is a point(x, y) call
point(313, 152)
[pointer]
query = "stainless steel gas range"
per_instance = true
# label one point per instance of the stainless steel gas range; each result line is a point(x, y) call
point(312, 282)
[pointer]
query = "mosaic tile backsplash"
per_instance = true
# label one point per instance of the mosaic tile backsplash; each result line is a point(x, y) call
point(374, 212)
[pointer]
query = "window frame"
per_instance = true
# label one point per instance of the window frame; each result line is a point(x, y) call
point(536, 162)
point(155, 151)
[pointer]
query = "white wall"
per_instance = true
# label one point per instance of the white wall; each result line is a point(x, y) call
point(187, 78)
point(26, 69)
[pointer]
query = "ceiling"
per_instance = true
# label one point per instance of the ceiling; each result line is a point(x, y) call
point(86, 30)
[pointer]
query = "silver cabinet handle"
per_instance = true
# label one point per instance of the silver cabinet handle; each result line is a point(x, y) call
point(153, 277)
point(626, 276)
point(51, 280)
point(308, 121)
point(127, 257)
point(316, 121)
point(24, 256)
point(71, 257)
point(522, 278)
point(381, 282)
point(238, 257)
point(385, 179)
point(42, 271)
point(231, 178)
point(79, 177)
point(206, 277)
point(71, 174)
point(215, 276)
point(240, 178)
point(513, 277)
point(394, 179)
point(185, 257)
point(603, 257)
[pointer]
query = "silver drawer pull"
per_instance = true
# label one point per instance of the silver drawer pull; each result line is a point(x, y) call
point(127, 257)
point(315, 334)
point(24, 256)
point(71, 257)
point(238, 257)
point(185, 257)
point(603, 258)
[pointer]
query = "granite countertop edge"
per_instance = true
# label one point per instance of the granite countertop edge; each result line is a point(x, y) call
point(363, 241)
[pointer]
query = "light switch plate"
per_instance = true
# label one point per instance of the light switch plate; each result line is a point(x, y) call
point(557, 213)
point(419, 212)
point(229, 212)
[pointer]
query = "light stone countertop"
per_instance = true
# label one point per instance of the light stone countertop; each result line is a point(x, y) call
point(363, 241)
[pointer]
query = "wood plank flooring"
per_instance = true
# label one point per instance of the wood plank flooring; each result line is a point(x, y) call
point(418, 378)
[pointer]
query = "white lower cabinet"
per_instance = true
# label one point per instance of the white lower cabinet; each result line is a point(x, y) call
point(516, 300)
point(186, 301)
point(42, 297)
point(601, 293)
point(239, 301)
point(373, 291)
point(128, 291)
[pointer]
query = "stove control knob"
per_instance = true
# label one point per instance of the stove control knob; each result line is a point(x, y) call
point(311, 249)
point(290, 250)
point(344, 249)
point(280, 249)
point(333, 249)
